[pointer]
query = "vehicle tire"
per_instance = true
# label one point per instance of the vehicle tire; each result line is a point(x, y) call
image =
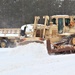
point(4, 44)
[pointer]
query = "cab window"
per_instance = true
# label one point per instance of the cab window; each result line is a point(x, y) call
point(54, 21)
point(67, 21)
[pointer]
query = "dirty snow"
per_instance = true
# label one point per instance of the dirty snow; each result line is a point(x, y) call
point(32, 59)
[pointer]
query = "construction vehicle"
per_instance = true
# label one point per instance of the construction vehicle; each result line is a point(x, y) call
point(62, 34)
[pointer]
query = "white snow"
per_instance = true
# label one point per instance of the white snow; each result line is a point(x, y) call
point(32, 59)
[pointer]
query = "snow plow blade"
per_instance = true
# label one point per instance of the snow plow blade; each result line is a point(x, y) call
point(64, 49)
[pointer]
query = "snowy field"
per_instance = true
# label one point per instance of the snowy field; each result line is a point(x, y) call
point(32, 59)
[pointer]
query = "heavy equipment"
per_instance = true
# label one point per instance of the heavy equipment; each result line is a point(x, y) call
point(60, 33)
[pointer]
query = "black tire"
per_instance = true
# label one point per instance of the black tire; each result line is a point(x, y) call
point(4, 43)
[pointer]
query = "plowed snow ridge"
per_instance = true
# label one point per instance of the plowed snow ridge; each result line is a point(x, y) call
point(31, 50)
point(33, 59)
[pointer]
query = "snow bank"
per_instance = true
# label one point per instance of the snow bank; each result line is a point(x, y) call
point(31, 50)
point(32, 59)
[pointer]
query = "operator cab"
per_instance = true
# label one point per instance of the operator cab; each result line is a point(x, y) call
point(61, 21)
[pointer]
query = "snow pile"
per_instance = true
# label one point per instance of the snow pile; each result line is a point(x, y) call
point(32, 59)
point(30, 50)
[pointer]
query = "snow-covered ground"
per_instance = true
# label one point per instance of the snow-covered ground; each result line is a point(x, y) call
point(32, 59)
